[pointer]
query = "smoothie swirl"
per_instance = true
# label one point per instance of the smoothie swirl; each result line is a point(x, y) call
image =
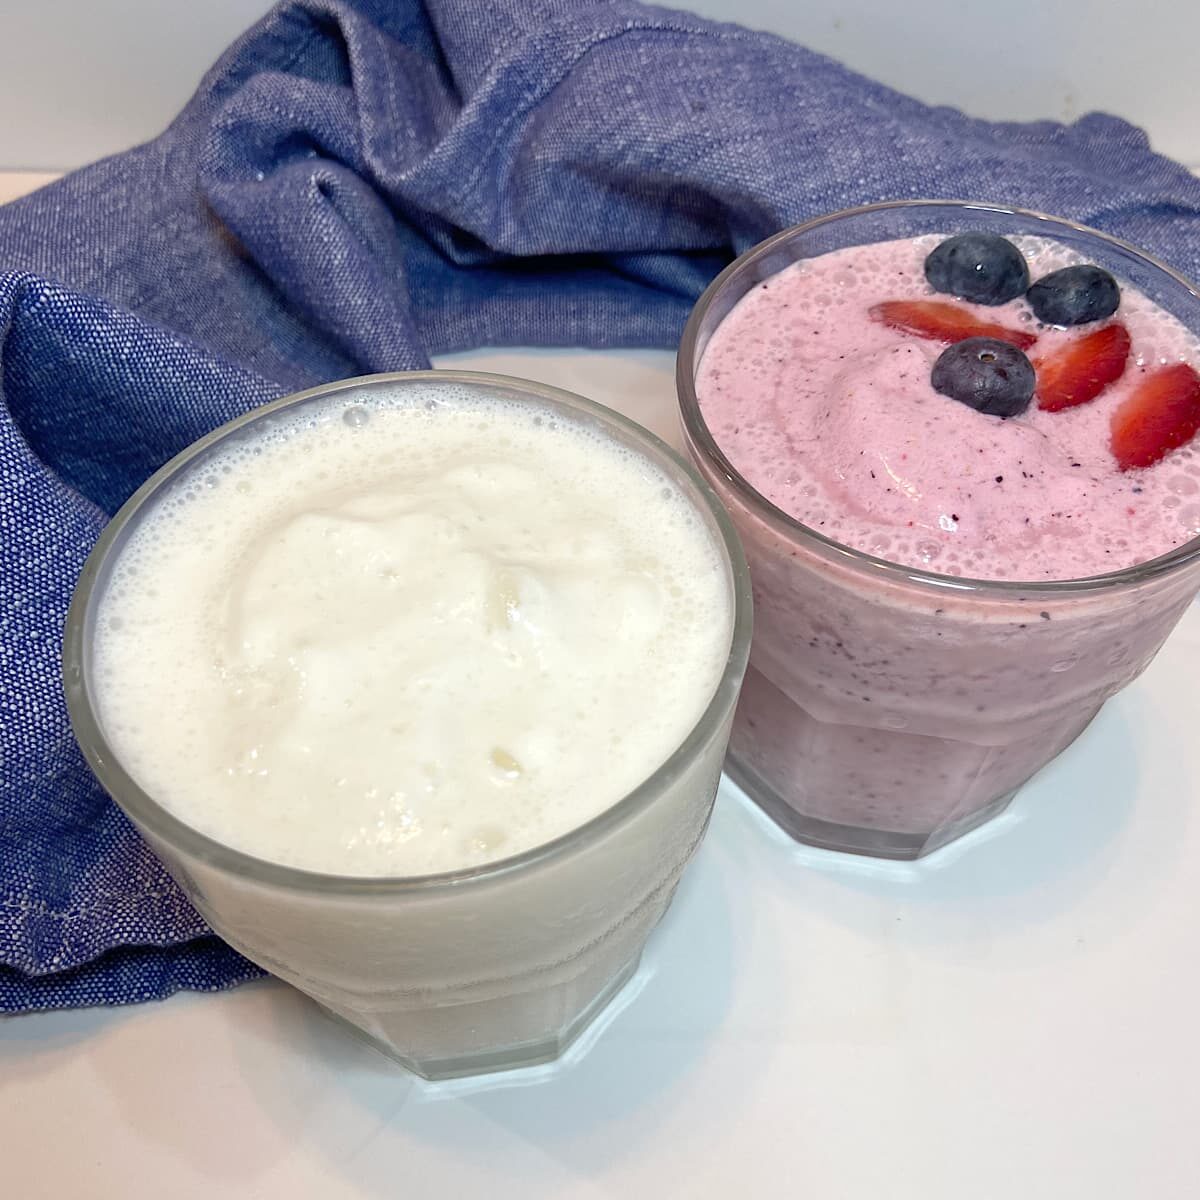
point(830, 414)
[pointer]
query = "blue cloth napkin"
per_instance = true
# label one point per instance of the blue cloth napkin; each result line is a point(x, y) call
point(354, 187)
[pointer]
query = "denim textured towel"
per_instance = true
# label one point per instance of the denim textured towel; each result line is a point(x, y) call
point(354, 187)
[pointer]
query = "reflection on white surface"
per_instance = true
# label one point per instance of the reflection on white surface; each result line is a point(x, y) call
point(435, 1091)
point(1013, 1017)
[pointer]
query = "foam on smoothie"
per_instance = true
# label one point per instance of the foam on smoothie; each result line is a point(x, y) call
point(409, 633)
point(832, 417)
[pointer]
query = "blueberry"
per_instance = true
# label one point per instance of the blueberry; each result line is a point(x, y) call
point(991, 376)
point(981, 267)
point(1074, 296)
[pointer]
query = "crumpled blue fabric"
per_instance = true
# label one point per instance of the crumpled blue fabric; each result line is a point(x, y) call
point(354, 187)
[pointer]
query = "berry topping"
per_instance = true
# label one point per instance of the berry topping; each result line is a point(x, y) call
point(1074, 296)
point(1082, 369)
point(942, 322)
point(1159, 415)
point(981, 267)
point(990, 376)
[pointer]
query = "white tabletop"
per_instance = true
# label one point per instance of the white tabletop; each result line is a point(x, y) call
point(1013, 1017)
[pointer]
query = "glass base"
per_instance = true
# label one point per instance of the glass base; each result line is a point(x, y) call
point(505, 1058)
point(851, 839)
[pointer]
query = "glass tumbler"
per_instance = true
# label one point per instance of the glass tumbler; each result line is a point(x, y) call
point(888, 710)
point(479, 969)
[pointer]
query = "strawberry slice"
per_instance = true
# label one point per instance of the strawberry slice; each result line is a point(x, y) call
point(1082, 369)
point(1159, 415)
point(941, 322)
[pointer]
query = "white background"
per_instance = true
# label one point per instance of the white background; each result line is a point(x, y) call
point(82, 78)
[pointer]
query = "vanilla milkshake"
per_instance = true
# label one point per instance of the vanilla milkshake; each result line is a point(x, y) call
point(395, 672)
point(409, 636)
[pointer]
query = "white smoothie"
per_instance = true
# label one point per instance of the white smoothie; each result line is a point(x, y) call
point(409, 633)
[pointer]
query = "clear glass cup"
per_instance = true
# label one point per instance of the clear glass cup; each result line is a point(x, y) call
point(973, 686)
point(480, 969)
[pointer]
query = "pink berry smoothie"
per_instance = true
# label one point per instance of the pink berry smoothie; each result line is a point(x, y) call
point(830, 414)
point(944, 597)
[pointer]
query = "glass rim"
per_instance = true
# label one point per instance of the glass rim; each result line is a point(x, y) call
point(796, 531)
point(159, 821)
